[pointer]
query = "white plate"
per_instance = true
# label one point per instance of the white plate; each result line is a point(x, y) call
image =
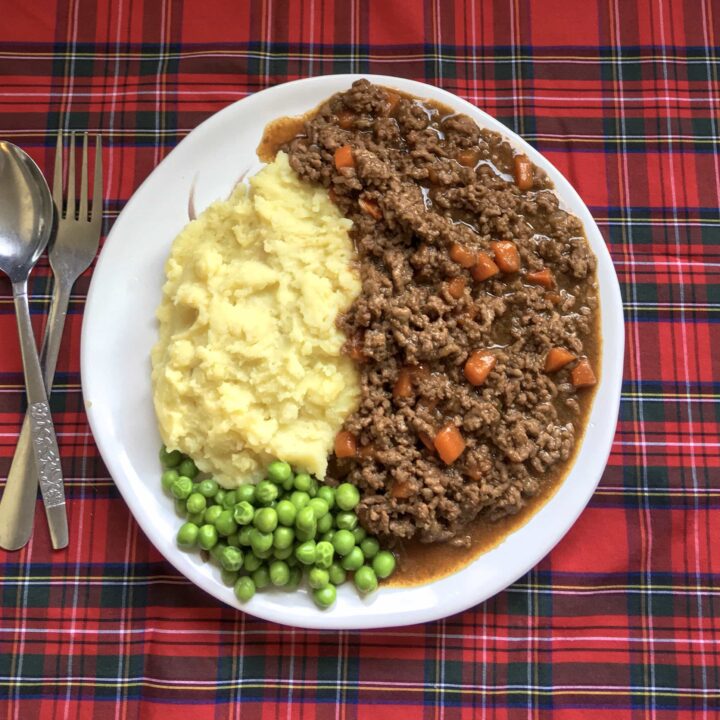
point(119, 329)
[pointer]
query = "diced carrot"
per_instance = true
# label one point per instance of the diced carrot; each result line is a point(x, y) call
point(345, 444)
point(484, 267)
point(392, 101)
point(401, 490)
point(582, 375)
point(456, 287)
point(523, 172)
point(557, 358)
point(468, 158)
point(507, 257)
point(462, 255)
point(403, 384)
point(370, 207)
point(344, 157)
point(543, 277)
point(346, 119)
point(354, 348)
point(427, 441)
point(553, 297)
point(478, 366)
point(449, 443)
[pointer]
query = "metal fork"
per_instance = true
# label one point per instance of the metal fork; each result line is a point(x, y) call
point(76, 244)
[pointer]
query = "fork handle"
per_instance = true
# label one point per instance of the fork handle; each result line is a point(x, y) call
point(17, 507)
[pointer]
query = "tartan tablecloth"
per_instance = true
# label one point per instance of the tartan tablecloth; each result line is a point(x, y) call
point(621, 619)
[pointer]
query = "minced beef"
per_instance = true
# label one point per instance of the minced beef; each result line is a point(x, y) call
point(423, 179)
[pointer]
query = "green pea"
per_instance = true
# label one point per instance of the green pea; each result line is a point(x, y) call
point(353, 560)
point(187, 535)
point(261, 577)
point(365, 579)
point(217, 550)
point(328, 536)
point(265, 554)
point(305, 520)
point(180, 508)
point(279, 471)
point(251, 562)
point(325, 523)
point(283, 537)
point(295, 579)
point(303, 482)
point(244, 588)
point(327, 494)
point(197, 518)
point(287, 485)
point(343, 542)
point(304, 535)
point(265, 492)
point(346, 520)
point(168, 478)
point(359, 534)
point(213, 513)
point(181, 488)
point(208, 488)
point(337, 574)
point(219, 497)
point(243, 513)
point(370, 547)
point(245, 493)
point(286, 512)
point(318, 578)
point(292, 561)
point(196, 503)
point(229, 500)
point(207, 537)
point(231, 558)
point(244, 535)
point(347, 496)
point(384, 564)
point(170, 459)
point(325, 597)
point(233, 540)
point(228, 577)
point(299, 499)
point(319, 506)
point(260, 541)
point(279, 573)
point(188, 468)
point(305, 552)
point(266, 519)
point(225, 524)
point(282, 553)
point(324, 553)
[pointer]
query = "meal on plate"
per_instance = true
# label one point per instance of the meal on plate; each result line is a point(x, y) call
point(398, 308)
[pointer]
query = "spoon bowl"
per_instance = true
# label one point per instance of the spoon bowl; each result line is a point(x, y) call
point(26, 212)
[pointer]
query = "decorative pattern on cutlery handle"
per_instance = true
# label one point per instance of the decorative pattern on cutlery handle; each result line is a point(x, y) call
point(47, 455)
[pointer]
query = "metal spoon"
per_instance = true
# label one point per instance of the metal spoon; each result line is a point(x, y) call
point(26, 217)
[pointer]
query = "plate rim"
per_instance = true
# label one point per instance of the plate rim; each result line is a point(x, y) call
point(610, 381)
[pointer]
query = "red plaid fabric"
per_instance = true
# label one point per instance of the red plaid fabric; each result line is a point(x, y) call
point(621, 619)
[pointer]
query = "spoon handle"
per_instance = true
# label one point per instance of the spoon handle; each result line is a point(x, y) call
point(17, 505)
point(44, 442)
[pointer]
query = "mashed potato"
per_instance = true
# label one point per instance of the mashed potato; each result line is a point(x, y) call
point(248, 367)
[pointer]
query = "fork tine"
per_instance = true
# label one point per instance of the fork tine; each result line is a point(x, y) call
point(97, 200)
point(83, 214)
point(71, 209)
point(58, 174)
